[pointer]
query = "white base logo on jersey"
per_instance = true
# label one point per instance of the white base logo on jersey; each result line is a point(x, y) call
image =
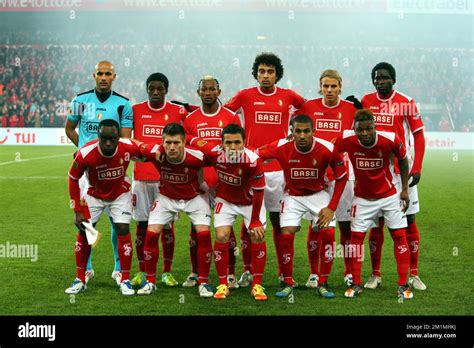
point(229, 179)
point(176, 178)
point(328, 125)
point(304, 173)
point(382, 119)
point(210, 133)
point(268, 117)
point(110, 174)
point(152, 131)
point(369, 163)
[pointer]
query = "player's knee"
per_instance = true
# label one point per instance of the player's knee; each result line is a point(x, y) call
point(142, 224)
point(122, 229)
point(410, 219)
point(222, 237)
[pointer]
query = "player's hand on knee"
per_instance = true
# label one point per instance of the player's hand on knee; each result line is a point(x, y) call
point(78, 220)
point(257, 231)
point(325, 216)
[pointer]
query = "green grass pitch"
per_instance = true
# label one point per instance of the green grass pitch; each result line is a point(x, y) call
point(35, 210)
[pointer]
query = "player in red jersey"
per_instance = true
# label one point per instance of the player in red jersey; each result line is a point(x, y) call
point(305, 161)
point(331, 115)
point(151, 117)
point(239, 191)
point(374, 193)
point(207, 123)
point(105, 162)
point(398, 113)
point(266, 111)
point(179, 191)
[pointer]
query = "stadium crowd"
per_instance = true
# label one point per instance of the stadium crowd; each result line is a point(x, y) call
point(37, 81)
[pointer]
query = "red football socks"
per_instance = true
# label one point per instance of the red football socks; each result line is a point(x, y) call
point(356, 255)
point(402, 254)
point(259, 257)
point(167, 244)
point(286, 257)
point(82, 250)
point(345, 240)
point(376, 238)
point(151, 254)
point(327, 253)
point(139, 246)
point(413, 239)
point(193, 247)
point(232, 244)
point(204, 256)
point(125, 251)
point(221, 259)
point(313, 244)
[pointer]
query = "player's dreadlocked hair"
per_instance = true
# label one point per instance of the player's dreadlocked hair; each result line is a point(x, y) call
point(207, 78)
point(158, 77)
point(364, 115)
point(267, 58)
point(332, 74)
point(109, 123)
point(233, 129)
point(174, 129)
point(302, 118)
point(386, 66)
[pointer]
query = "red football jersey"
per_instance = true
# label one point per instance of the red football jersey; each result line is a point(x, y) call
point(237, 177)
point(398, 114)
point(148, 124)
point(266, 117)
point(107, 175)
point(304, 172)
point(329, 123)
point(209, 126)
point(180, 180)
point(373, 179)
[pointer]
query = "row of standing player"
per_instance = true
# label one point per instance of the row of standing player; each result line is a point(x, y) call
point(269, 107)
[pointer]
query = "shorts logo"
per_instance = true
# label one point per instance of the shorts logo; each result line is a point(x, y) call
point(229, 179)
point(175, 178)
point(210, 133)
point(110, 174)
point(286, 258)
point(369, 163)
point(268, 117)
point(382, 119)
point(150, 130)
point(328, 125)
point(304, 173)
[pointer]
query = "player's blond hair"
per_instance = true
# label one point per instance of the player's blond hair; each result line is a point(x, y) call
point(332, 74)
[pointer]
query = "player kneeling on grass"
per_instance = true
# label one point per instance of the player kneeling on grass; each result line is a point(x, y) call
point(105, 160)
point(239, 191)
point(374, 192)
point(304, 161)
point(179, 192)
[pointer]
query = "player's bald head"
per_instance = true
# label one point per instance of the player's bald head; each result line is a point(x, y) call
point(104, 64)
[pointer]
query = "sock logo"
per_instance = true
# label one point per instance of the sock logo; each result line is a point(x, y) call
point(286, 258)
point(244, 244)
point(208, 257)
point(402, 249)
point(128, 249)
point(329, 256)
point(77, 247)
point(414, 246)
point(217, 255)
point(231, 243)
point(169, 238)
point(147, 255)
point(373, 246)
point(261, 254)
point(313, 245)
point(138, 241)
point(192, 243)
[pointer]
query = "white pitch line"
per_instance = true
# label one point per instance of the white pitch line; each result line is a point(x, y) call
point(33, 159)
point(32, 177)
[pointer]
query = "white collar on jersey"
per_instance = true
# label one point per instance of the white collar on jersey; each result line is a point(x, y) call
point(159, 109)
point(267, 94)
point(331, 107)
point(214, 114)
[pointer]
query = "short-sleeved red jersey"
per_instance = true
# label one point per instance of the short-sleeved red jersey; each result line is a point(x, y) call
point(373, 178)
point(304, 172)
point(266, 117)
point(148, 124)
